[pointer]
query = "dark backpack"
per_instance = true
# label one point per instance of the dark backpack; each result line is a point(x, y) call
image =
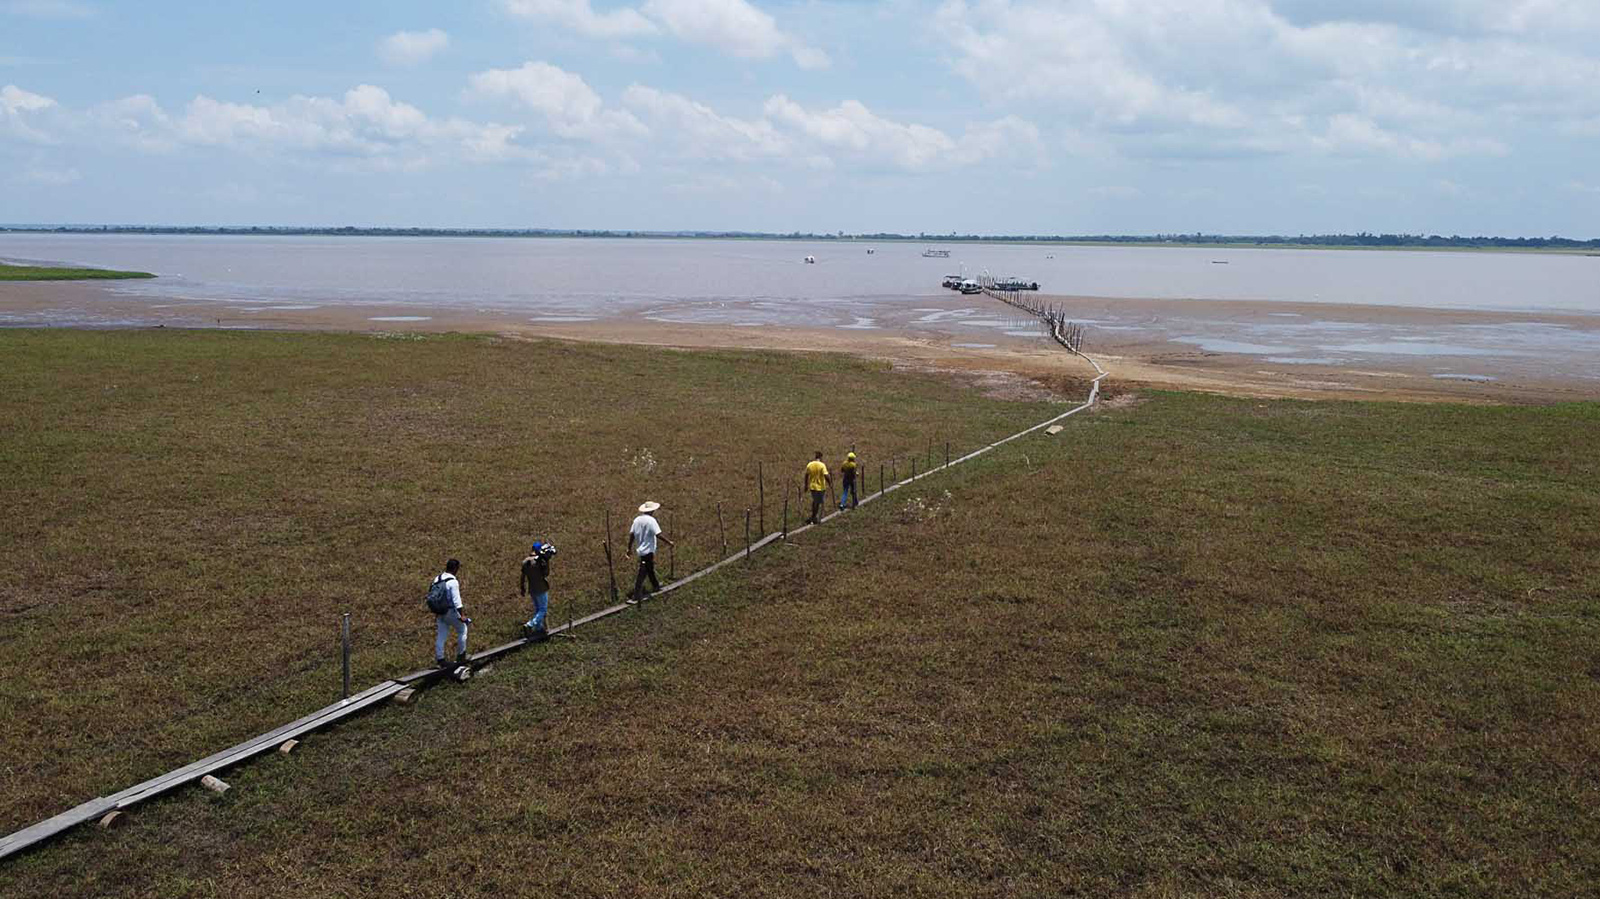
point(439, 595)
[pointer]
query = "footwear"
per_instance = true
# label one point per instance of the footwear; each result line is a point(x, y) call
point(441, 663)
point(540, 635)
point(463, 660)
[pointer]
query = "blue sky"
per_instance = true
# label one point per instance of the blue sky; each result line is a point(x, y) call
point(991, 116)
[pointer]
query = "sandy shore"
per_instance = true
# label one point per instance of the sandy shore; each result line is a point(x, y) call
point(1142, 342)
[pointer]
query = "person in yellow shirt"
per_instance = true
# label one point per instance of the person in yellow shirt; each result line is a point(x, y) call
point(848, 493)
point(817, 481)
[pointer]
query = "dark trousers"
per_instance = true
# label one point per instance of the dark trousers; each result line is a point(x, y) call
point(817, 496)
point(647, 569)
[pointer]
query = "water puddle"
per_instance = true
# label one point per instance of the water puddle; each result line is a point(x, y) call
point(400, 318)
point(1217, 345)
point(1456, 377)
point(1408, 348)
point(860, 324)
point(974, 346)
point(1298, 360)
point(555, 319)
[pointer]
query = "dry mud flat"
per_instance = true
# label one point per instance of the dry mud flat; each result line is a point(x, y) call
point(1264, 349)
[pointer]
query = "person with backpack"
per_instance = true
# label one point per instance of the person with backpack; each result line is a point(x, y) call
point(847, 491)
point(643, 535)
point(444, 601)
point(535, 584)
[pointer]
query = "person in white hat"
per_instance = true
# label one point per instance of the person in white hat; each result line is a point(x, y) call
point(643, 536)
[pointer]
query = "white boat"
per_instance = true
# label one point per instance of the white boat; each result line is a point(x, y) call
point(811, 260)
point(936, 254)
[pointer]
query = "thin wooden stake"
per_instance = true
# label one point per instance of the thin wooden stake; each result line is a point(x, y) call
point(786, 516)
point(344, 634)
point(610, 564)
point(722, 528)
point(761, 491)
point(747, 535)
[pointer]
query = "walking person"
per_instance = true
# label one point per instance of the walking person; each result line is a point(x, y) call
point(817, 481)
point(643, 536)
point(444, 601)
point(535, 584)
point(848, 492)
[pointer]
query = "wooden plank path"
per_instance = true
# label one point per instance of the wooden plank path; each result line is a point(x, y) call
point(194, 771)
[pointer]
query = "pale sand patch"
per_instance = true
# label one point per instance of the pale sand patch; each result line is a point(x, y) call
point(1133, 357)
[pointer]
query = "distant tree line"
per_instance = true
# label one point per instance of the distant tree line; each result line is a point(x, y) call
point(1361, 239)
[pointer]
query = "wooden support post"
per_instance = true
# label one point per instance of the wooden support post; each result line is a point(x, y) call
point(761, 493)
point(947, 454)
point(406, 696)
point(786, 515)
point(747, 535)
point(214, 784)
point(110, 820)
point(722, 528)
point(610, 565)
point(287, 746)
point(344, 634)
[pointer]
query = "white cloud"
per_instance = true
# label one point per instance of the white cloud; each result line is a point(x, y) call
point(735, 27)
point(366, 128)
point(20, 114)
point(853, 130)
point(409, 48)
point(580, 16)
point(48, 9)
point(788, 131)
point(15, 99)
point(1224, 78)
point(566, 102)
point(700, 131)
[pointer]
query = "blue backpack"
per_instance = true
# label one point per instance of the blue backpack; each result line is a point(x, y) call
point(439, 595)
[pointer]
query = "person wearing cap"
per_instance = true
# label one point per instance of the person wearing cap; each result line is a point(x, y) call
point(643, 536)
point(847, 491)
point(535, 584)
point(454, 617)
point(817, 481)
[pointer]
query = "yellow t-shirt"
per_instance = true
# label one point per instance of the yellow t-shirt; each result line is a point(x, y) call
point(817, 476)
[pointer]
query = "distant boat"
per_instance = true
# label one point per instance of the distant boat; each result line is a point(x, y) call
point(936, 254)
point(970, 286)
point(1219, 262)
point(811, 260)
point(870, 251)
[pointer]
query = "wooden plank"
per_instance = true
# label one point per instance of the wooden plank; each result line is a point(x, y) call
point(49, 827)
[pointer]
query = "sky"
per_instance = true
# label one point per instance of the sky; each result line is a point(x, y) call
point(938, 116)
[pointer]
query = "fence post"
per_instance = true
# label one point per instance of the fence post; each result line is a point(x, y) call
point(786, 515)
point(947, 454)
point(747, 535)
point(344, 630)
point(610, 565)
point(761, 492)
point(722, 529)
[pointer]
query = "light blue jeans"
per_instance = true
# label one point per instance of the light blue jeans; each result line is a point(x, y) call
point(541, 604)
point(445, 623)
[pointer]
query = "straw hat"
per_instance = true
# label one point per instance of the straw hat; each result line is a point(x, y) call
point(649, 507)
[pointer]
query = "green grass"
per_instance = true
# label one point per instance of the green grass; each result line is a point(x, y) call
point(202, 506)
point(47, 273)
point(1191, 646)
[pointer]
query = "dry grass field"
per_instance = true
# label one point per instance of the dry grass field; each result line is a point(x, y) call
point(1192, 646)
point(191, 512)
